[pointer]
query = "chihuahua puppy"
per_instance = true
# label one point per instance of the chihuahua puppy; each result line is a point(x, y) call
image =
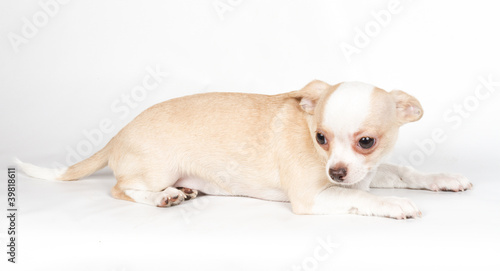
point(320, 148)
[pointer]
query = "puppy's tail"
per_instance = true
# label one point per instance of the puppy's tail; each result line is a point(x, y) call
point(74, 172)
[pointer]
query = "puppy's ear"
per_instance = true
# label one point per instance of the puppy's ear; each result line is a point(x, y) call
point(408, 109)
point(310, 94)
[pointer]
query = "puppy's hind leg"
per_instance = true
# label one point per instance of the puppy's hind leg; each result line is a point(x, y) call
point(170, 196)
point(151, 189)
point(190, 193)
point(166, 198)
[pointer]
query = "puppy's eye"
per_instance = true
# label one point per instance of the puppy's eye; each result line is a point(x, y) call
point(320, 138)
point(366, 142)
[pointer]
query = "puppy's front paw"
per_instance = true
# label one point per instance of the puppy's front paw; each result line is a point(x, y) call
point(448, 182)
point(392, 207)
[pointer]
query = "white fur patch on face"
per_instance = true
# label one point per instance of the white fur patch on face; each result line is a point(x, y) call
point(348, 107)
point(345, 111)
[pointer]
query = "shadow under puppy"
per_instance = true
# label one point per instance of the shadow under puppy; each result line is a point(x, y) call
point(321, 148)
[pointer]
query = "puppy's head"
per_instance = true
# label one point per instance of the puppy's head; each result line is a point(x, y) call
point(354, 125)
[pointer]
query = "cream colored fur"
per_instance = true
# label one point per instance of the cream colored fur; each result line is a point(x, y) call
point(264, 146)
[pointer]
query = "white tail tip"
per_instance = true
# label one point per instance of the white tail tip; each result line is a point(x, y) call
point(40, 172)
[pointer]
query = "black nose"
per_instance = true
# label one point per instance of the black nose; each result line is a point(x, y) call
point(338, 174)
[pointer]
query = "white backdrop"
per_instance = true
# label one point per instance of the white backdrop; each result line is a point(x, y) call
point(72, 73)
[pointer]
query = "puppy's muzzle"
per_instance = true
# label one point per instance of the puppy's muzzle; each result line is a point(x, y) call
point(338, 174)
